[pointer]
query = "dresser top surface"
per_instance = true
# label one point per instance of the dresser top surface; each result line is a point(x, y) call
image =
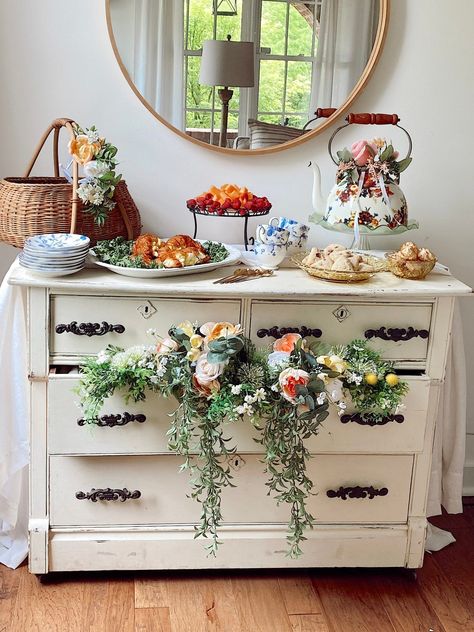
point(284, 282)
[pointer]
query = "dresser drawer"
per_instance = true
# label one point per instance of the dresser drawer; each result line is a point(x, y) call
point(141, 427)
point(82, 326)
point(399, 331)
point(349, 489)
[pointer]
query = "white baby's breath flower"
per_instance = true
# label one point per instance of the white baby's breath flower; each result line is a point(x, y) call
point(236, 388)
point(250, 399)
point(275, 388)
point(354, 378)
point(154, 379)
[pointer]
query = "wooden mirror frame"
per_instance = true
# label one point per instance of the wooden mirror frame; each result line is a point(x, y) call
point(382, 29)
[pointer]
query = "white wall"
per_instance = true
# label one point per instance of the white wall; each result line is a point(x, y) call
point(56, 60)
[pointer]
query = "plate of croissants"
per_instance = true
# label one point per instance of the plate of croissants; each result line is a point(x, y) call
point(150, 256)
point(339, 264)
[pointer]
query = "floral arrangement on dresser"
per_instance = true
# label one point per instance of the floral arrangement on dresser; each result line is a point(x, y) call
point(97, 157)
point(219, 378)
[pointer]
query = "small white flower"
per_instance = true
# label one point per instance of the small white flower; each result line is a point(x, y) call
point(90, 193)
point(95, 169)
point(278, 359)
point(240, 410)
point(102, 357)
point(236, 388)
point(92, 135)
point(354, 378)
point(275, 388)
point(342, 405)
point(321, 398)
point(151, 331)
point(154, 379)
point(323, 377)
point(250, 399)
point(260, 395)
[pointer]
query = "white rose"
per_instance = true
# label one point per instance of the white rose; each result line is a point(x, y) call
point(207, 372)
point(334, 387)
point(278, 359)
point(95, 169)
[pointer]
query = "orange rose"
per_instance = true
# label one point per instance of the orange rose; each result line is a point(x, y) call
point(206, 390)
point(289, 379)
point(286, 343)
point(82, 149)
point(213, 331)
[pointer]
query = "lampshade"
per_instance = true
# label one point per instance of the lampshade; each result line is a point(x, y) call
point(227, 63)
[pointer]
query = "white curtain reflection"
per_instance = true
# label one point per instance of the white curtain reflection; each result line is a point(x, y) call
point(346, 36)
point(151, 34)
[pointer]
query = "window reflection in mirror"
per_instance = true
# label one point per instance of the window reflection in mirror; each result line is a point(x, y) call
point(308, 54)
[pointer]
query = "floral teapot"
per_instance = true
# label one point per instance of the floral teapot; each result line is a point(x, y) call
point(366, 196)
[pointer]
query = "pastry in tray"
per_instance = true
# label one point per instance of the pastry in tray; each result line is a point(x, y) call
point(176, 252)
point(337, 258)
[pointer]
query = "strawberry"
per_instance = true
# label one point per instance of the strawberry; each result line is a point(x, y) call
point(226, 203)
point(191, 203)
point(236, 204)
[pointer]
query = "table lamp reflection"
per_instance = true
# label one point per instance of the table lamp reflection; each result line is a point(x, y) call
point(225, 63)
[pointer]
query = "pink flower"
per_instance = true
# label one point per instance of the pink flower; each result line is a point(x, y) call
point(286, 343)
point(289, 379)
point(362, 151)
point(165, 346)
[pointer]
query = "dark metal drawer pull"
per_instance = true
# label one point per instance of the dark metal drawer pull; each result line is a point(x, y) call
point(396, 335)
point(89, 329)
point(108, 494)
point(368, 419)
point(109, 421)
point(356, 492)
point(279, 332)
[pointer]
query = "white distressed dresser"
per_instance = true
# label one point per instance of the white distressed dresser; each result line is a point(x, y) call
point(70, 318)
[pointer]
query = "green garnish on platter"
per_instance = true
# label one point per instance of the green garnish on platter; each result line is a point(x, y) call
point(118, 252)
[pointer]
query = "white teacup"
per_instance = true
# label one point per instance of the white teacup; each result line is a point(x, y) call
point(269, 255)
point(268, 234)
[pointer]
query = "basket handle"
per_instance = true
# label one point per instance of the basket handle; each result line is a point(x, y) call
point(55, 127)
point(367, 118)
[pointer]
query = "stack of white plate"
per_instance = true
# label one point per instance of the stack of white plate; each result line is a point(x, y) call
point(55, 254)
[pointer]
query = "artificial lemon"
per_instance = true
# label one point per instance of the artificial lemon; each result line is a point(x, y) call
point(371, 379)
point(391, 379)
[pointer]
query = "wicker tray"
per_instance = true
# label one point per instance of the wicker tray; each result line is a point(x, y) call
point(409, 269)
point(342, 277)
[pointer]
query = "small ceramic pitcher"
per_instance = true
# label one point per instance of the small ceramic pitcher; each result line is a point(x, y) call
point(268, 234)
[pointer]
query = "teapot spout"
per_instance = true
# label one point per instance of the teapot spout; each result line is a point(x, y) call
point(318, 202)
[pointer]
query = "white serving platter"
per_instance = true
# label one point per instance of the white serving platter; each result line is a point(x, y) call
point(150, 273)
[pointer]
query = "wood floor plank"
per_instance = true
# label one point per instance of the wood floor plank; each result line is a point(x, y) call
point(39, 607)
point(298, 594)
point(352, 601)
point(260, 603)
point(152, 620)
point(440, 592)
point(308, 623)
point(9, 581)
point(406, 606)
point(197, 602)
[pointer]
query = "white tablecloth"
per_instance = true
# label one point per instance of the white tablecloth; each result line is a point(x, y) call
point(448, 459)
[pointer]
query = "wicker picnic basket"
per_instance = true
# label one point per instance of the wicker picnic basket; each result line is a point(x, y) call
point(38, 205)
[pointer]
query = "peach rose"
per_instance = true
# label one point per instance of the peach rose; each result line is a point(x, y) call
point(206, 390)
point(82, 149)
point(291, 378)
point(167, 345)
point(286, 343)
point(362, 150)
point(213, 331)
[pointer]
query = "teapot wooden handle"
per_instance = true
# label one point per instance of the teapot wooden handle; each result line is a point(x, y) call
point(366, 118)
point(325, 112)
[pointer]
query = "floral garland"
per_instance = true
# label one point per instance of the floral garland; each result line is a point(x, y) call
point(218, 377)
point(96, 189)
point(377, 158)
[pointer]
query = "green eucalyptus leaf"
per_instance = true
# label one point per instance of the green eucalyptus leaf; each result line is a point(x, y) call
point(404, 163)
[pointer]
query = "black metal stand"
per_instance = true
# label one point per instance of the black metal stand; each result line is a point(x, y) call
point(236, 215)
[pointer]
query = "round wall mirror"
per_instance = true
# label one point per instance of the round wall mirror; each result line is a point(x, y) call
point(247, 75)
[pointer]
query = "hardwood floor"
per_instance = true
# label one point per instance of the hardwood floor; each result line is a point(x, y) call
point(441, 599)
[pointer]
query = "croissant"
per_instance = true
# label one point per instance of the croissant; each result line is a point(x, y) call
point(146, 246)
point(183, 241)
